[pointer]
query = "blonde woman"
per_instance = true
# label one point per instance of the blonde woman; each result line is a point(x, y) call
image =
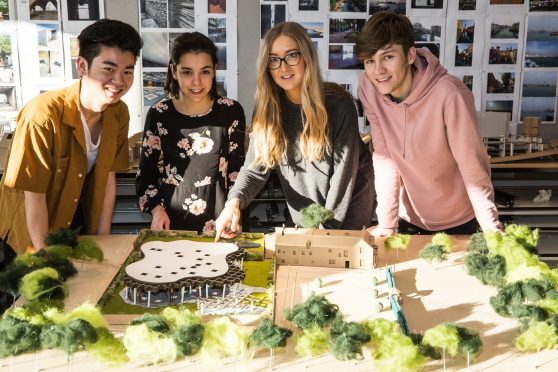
point(307, 130)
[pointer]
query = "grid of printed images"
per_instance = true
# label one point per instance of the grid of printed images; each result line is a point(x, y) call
point(490, 45)
point(162, 21)
point(8, 96)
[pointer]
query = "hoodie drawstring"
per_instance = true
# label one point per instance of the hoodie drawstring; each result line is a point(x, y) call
point(404, 130)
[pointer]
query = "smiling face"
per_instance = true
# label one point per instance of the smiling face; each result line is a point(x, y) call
point(194, 73)
point(107, 79)
point(289, 78)
point(390, 71)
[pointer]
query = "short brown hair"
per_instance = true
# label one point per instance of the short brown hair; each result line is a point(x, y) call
point(384, 29)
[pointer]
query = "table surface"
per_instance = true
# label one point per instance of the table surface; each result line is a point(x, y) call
point(432, 294)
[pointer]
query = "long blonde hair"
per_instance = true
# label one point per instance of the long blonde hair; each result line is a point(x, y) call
point(268, 136)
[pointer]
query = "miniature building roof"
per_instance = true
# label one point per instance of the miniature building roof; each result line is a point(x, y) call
point(166, 262)
point(293, 237)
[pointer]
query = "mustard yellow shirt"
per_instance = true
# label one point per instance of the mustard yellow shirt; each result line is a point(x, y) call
point(48, 155)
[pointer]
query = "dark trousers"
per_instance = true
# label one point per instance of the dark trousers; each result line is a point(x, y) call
point(467, 228)
point(7, 255)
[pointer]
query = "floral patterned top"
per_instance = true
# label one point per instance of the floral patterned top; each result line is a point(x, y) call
point(201, 158)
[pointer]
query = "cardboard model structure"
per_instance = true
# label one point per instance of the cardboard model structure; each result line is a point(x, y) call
point(350, 249)
point(177, 265)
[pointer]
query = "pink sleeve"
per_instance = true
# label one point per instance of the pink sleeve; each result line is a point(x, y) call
point(386, 176)
point(471, 157)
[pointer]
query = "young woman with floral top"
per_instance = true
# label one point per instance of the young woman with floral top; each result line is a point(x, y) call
point(200, 138)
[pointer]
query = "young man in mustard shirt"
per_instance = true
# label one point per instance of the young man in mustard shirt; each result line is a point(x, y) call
point(69, 143)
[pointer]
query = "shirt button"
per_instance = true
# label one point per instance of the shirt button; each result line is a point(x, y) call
point(68, 223)
point(75, 200)
point(59, 170)
point(80, 175)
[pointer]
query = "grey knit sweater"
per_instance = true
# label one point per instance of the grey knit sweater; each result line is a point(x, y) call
point(341, 182)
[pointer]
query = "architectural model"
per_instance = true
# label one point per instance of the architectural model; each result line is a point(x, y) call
point(182, 266)
point(350, 249)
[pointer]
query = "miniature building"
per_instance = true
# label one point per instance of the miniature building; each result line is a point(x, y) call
point(351, 249)
point(176, 265)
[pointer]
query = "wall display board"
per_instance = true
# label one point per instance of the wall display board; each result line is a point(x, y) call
point(36, 48)
point(505, 51)
point(161, 21)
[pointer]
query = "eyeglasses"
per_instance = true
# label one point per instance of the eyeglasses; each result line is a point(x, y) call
point(291, 59)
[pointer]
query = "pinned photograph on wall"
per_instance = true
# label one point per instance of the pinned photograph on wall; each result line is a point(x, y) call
point(427, 29)
point(154, 52)
point(50, 64)
point(543, 107)
point(222, 57)
point(8, 99)
point(500, 83)
point(344, 30)
point(48, 36)
point(507, 2)
point(308, 5)
point(539, 84)
point(467, 5)
point(153, 87)
point(221, 85)
point(541, 48)
point(464, 54)
point(43, 10)
point(434, 48)
point(543, 6)
point(394, 6)
point(465, 31)
point(74, 54)
point(217, 6)
point(182, 14)
point(355, 6)
point(427, 4)
point(314, 29)
point(343, 57)
point(468, 81)
point(500, 106)
point(172, 36)
point(154, 13)
point(217, 29)
point(4, 10)
point(270, 15)
point(83, 10)
point(499, 30)
point(6, 58)
point(502, 54)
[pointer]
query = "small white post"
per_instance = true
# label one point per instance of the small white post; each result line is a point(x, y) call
point(125, 293)
point(135, 295)
point(148, 298)
point(224, 290)
point(190, 288)
point(199, 291)
point(207, 291)
point(183, 290)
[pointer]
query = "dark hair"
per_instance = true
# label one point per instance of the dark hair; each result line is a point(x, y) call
point(110, 33)
point(384, 29)
point(189, 42)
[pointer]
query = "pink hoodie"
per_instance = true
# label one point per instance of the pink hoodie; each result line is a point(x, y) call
point(430, 165)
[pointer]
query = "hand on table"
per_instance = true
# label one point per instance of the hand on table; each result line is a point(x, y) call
point(160, 220)
point(380, 232)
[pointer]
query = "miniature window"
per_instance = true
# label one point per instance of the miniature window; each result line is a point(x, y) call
point(329, 250)
point(294, 253)
point(302, 253)
point(360, 263)
point(282, 260)
point(345, 253)
point(332, 262)
point(310, 253)
point(339, 254)
point(296, 262)
point(360, 249)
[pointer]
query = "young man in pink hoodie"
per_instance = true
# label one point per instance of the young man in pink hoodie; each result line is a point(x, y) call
point(431, 169)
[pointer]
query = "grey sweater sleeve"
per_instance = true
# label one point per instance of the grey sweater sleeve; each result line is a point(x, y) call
point(249, 181)
point(345, 137)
